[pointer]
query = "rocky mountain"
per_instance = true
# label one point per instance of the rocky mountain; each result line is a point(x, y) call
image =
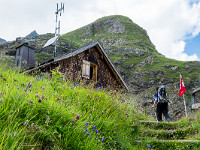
point(138, 61)
point(134, 55)
point(2, 40)
point(32, 34)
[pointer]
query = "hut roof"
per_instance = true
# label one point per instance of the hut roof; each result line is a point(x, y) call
point(81, 49)
point(196, 90)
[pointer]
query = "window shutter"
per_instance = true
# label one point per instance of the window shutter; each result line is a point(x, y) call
point(86, 69)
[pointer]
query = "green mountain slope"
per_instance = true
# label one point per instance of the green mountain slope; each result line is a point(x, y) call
point(133, 54)
point(138, 61)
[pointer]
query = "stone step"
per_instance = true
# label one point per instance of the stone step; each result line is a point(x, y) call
point(168, 144)
point(170, 134)
point(164, 125)
point(168, 141)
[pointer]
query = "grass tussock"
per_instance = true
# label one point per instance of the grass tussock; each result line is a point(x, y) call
point(58, 114)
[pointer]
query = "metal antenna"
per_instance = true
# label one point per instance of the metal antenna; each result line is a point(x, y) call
point(57, 28)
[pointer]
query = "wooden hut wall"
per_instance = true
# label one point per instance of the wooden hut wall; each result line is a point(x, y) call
point(72, 67)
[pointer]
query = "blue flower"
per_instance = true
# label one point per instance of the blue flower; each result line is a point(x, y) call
point(86, 129)
point(97, 131)
point(103, 139)
point(86, 124)
point(94, 127)
point(148, 146)
point(88, 133)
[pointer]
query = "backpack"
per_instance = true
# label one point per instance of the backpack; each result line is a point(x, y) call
point(162, 95)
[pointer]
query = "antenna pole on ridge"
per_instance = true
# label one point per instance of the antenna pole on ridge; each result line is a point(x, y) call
point(57, 28)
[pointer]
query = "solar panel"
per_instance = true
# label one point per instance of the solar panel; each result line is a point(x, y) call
point(51, 41)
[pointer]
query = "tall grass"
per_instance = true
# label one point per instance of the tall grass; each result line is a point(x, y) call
point(58, 114)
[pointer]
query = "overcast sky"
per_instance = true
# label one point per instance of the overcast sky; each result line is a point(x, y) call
point(172, 25)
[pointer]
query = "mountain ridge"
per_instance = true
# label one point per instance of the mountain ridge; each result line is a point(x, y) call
point(130, 49)
point(2, 40)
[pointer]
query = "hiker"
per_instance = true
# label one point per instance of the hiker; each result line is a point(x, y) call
point(160, 98)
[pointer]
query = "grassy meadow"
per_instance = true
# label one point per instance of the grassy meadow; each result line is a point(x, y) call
point(58, 114)
point(43, 112)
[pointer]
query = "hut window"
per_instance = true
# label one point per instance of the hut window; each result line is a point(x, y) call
point(89, 70)
point(86, 69)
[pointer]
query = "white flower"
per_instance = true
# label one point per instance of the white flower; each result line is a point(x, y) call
point(26, 122)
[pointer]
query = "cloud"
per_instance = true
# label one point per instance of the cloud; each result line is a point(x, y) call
point(168, 22)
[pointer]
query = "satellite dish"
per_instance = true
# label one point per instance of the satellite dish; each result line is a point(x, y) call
point(51, 41)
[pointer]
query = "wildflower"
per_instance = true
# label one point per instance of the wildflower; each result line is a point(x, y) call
point(75, 85)
point(103, 139)
point(40, 100)
point(148, 146)
point(26, 122)
point(102, 112)
point(73, 120)
point(64, 87)
point(195, 131)
point(47, 121)
point(97, 131)
point(63, 101)
point(32, 124)
point(126, 113)
point(36, 95)
point(18, 88)
point(1, 93)
point(94, 127)
point(43, 96)
point(188, 128)
point(99, 87)
point(86, 124)
point(78, 116)
point(30, 101)
point(86, 130)
point(88, 133)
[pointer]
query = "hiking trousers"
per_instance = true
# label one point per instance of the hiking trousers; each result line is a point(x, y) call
point(162, 108)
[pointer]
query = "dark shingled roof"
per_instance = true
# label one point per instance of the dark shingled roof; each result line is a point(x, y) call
point(81, 49)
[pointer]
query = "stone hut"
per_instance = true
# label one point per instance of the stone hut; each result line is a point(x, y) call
point(89, 63)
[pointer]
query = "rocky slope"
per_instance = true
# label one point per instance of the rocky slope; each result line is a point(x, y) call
point(138, 61)
point(133, 54)
point(2, 40)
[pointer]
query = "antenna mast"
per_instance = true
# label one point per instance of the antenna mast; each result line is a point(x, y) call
point(57, 28)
